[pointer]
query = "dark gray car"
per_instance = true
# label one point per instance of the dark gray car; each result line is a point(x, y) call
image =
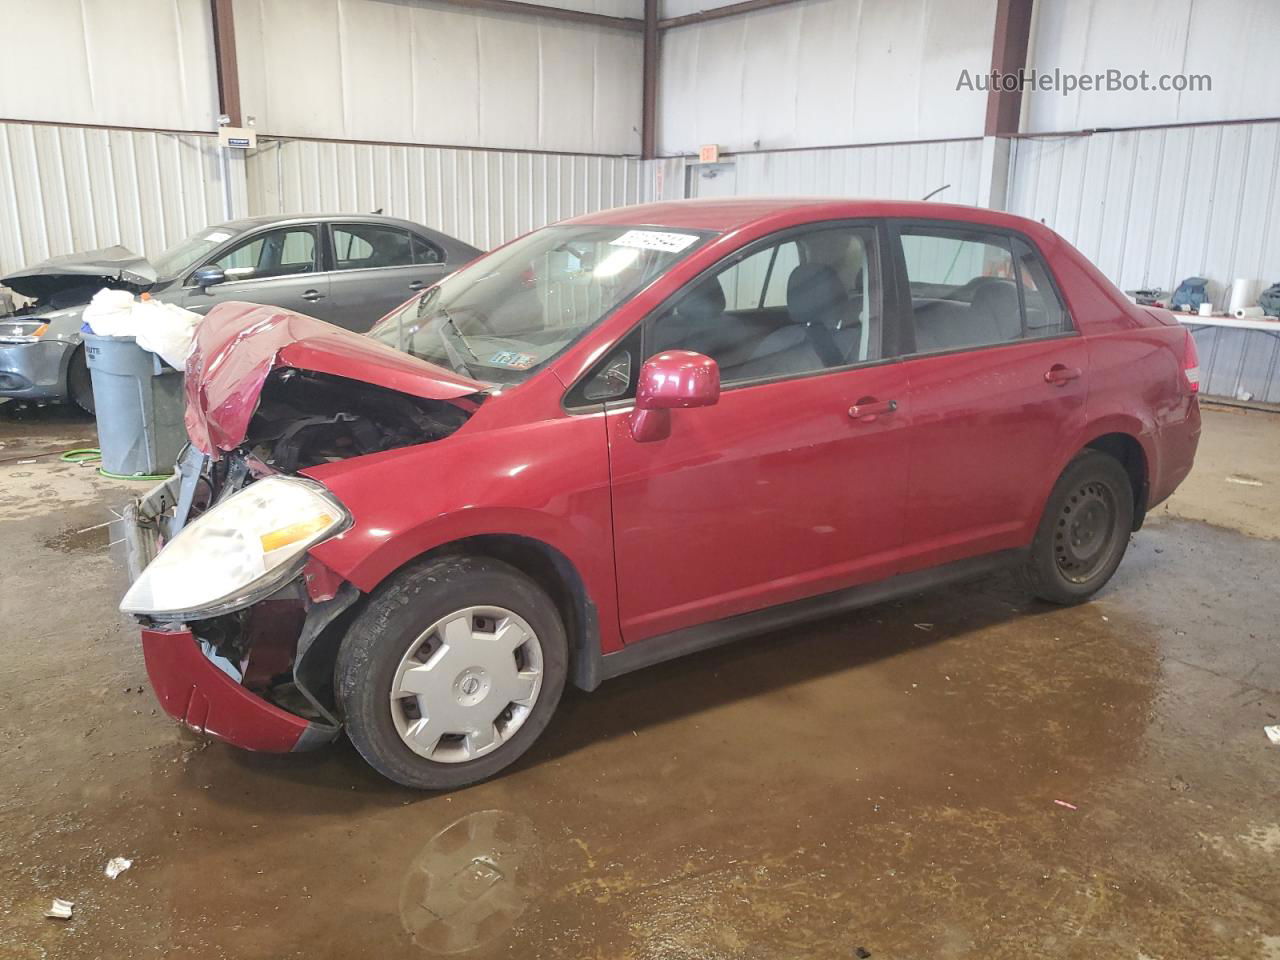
point(349, 270)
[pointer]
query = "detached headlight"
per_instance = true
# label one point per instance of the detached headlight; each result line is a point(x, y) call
point(238, 552)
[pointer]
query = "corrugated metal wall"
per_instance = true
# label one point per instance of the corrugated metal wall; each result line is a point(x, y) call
point(68, 189)
point(485, 197)
point(1230, 41)
point(825, 72)
point(1152, 207)
point(905, 171)
point(421, 72)
point(1239, 364)
point(135, 63)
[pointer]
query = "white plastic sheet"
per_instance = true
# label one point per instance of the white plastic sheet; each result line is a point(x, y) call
point(161, 328)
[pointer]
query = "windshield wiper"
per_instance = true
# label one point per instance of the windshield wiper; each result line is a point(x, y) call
point(455, 359)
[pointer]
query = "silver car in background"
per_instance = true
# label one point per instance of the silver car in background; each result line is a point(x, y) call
point(348, 270)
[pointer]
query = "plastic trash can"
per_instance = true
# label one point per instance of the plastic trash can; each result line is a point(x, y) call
point(139, 401)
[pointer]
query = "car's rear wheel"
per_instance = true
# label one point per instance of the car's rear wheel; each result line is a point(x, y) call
point(80, 382)
point(1084, 532)
point(451, 672)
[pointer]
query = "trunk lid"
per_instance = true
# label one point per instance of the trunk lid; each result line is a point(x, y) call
point(239, 344)
point(109, 267)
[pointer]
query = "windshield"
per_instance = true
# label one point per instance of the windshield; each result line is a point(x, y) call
point(184, 255)
point(500, 319)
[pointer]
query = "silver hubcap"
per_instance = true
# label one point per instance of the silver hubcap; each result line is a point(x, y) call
point(466, 684)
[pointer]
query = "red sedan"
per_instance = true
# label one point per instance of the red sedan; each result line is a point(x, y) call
point(630, 436)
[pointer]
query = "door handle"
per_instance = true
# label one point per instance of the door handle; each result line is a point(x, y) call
point(417, 285)
point(1059, 374)
point(868, 408)
point(312, 295)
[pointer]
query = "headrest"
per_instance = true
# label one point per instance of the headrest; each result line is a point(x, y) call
point(816, 295)
point(703, 303)
point(999, 297)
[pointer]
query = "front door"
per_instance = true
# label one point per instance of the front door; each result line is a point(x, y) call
point(793, 484)
point(997, 384)
point(280, 267)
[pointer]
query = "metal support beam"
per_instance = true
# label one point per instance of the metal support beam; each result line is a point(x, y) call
point(649, 96)
point(552, 13)
point(1009, 59)
point(719, 13)
point(224, 56)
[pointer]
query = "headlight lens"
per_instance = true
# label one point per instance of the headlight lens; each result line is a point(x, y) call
point(22, 331)
point(237, 552)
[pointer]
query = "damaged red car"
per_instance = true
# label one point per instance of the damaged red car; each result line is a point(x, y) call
point(627, 437)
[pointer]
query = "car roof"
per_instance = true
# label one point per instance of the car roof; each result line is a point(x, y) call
point(725, 214)
point(252, 223)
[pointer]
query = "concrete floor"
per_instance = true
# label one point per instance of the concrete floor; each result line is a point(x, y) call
point(887, 781)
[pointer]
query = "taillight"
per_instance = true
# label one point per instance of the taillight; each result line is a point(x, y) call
point(1191, 365)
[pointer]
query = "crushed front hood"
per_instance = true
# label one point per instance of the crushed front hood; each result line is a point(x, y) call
point(238, 344)
point(109, 266)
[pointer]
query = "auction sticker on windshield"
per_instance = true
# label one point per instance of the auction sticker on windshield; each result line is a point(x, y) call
point(655, 240)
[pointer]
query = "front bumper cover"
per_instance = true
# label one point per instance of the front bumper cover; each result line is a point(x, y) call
point(188, 685)
point(35, 370)
point(192, 689)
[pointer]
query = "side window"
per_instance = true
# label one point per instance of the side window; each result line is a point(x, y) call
point(423, 251)
point(964, 291)
point(1046, 316)
point(760, 280)
point(807, 303)
point(360, 246)
point(612, 378)
point(275, 253)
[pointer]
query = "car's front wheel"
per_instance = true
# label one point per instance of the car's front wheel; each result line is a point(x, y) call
point(1084, 532)
point(80, 382)
point(451, 671)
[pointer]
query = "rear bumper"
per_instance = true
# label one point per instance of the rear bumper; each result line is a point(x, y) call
point(191, 687)
point(1177, 444)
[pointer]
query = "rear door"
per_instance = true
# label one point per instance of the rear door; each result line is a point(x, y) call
point(998, 380)
point(281, 266)
point(794, 483)
point(377, 266)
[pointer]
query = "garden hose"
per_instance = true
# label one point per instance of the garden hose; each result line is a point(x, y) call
point(81, 455)
point(93, 454)
point(153, 477)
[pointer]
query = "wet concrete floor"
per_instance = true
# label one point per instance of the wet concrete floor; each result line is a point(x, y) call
point(963, 774)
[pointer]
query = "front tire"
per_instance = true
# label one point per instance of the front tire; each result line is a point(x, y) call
point(451, 672)
point(80, 382)
point(1084, 532)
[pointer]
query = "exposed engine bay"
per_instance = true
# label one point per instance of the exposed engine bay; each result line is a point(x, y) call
point(281, 647)
point(305, 419)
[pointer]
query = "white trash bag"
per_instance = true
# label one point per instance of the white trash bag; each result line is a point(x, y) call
point(161, 328)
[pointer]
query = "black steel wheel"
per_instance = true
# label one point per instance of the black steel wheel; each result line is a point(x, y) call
point(1086, 527)
point(1083, 532)
point(79, 381)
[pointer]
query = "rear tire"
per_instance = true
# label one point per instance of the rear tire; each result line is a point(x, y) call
point(80, 382)
point(451, 672)
point(1084, 532)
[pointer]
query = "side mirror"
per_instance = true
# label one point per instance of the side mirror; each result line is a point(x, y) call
point(208, 277)
point(672, 380)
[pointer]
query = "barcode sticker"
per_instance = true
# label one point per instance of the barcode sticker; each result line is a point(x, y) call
point(655, 240)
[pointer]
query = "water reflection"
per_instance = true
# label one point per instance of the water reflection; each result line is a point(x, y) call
point(470, 883)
